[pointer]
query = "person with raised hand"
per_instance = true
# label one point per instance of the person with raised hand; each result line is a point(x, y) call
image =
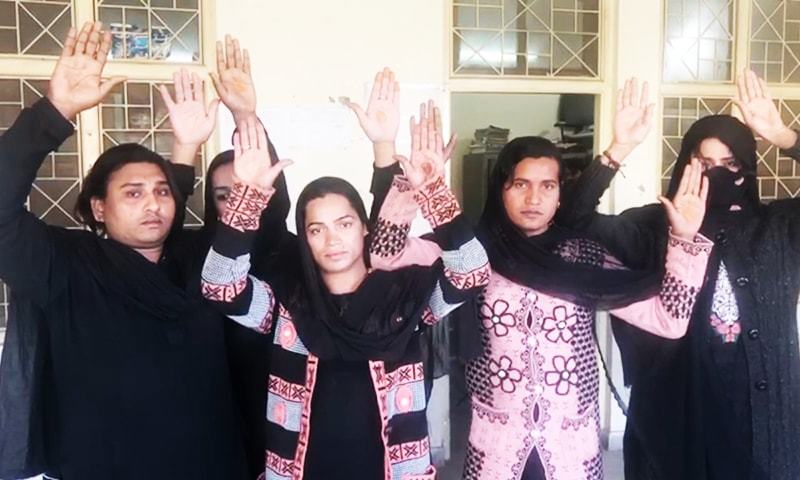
point(718, 403)
point(124, 373)
point(539, 306)
point(347, 387)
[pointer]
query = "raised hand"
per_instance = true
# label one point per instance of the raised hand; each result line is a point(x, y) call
point(251, 162)
point(426, 162)
point(381, 120)
point(688, 208)
point(76, 83)
point(633, 118)
point(233, 80)
point(759, 111)
point(191, 118)
point(435, 115)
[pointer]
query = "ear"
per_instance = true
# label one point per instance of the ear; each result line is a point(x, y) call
point(364, 229)
point(98, 209)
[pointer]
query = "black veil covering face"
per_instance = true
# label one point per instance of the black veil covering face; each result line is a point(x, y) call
point(694, 411)
point(726, 188)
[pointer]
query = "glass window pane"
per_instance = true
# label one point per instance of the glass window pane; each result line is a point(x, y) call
point(698, 43)
point(153, 30)
point(775, 40)
point(529, 38)
point(31, 27)
point(58, 181)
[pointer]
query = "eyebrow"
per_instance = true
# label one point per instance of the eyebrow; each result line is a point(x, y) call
point(141, 184)
point(344, 217)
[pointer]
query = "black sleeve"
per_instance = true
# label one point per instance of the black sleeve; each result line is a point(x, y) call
point(184, 176)
point(579, 203)
point(26, 243)
point(382, 178)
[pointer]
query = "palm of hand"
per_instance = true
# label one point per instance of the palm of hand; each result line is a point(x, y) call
point(240, 93)
point(252, 166)
point(690, 213)
point(78, 79)
point(762, 114)
point(383, 121)
point(190, 122)
point(627, 126)
point(427, 164)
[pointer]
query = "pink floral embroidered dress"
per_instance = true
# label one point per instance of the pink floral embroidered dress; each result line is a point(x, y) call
point(535, 388)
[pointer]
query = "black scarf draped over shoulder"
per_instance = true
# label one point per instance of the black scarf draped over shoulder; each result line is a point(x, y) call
point(534, 261)
point(377, 321)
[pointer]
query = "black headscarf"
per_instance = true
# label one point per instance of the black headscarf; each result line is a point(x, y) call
point(378, 320)
point(274, 233)
point(723, 188)
point(534, 262)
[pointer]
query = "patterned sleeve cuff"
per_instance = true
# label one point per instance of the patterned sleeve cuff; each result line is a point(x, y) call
point(687, 261)
point(437, 203)
point(699, 246)
point(244, 206)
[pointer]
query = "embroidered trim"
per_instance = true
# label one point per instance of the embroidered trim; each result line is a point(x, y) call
point(377, 370)
point(223, 293)
point(305, 419)
point(428, 317)
point(286, 390)
point(437, 203)
point(478, 277)
point(244, 206)
point(409, 451)
point(700, 245)
point(677, 297)
point(389, 238)
point(404, 375)
point(279, 465)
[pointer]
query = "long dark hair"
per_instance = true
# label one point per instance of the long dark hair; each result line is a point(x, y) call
point(534, 261)
point(318, 189)
point(210, 214)
point(95, 185)
point(516, 151)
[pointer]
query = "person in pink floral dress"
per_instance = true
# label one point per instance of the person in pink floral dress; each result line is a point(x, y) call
point(534, 388)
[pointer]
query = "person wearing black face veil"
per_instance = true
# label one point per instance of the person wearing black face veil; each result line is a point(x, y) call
point(721, 403)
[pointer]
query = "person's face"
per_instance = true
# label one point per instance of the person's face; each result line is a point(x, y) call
point(221, 185)
point(335, 234)
point(532, 193)
point(138, 209)
point(713, 153)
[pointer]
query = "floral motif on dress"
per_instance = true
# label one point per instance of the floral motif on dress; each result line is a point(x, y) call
point(724, 309)
point(503, 376)
point(497, 318)
point(559, 326)
point(563, 376)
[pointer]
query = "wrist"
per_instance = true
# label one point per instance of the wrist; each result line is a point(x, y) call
point(64, 108)
point(785, 138)
point(384, 153)
point(242, 115)
point(618, 152)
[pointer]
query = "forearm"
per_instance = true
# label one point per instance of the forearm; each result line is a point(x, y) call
point(384, 154)
point(225, 279)
point(667, 314)
point(26, 245)
point(466, 264)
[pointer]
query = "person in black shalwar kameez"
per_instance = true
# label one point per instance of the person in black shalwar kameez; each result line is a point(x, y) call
point(138, 383)
point(723, 403)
